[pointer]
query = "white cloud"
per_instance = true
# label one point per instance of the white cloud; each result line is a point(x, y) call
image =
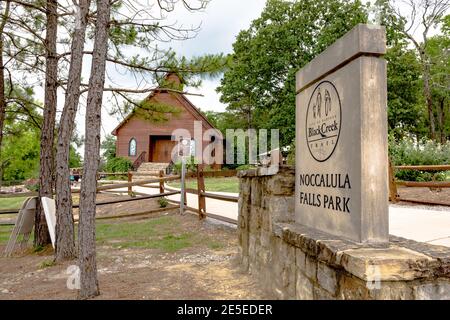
point(220, 23)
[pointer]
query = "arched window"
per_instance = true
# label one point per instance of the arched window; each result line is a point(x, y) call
point(132, 147)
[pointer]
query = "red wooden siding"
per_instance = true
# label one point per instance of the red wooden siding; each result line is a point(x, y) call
point(141, 129)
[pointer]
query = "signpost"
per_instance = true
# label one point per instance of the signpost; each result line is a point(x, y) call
point(341, 138)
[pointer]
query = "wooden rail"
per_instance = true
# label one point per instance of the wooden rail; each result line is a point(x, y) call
point(424, 184)
point(159, 183)
point(393, 192)
point(445, 167)
point(139, 160)
point(220, 197)
point(9, 211)
point(159, 195)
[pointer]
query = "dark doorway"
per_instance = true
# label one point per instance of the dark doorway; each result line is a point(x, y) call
point(161, 149)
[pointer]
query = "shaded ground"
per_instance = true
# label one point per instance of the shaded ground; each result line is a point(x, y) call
point(425, 194)
point(164, 257)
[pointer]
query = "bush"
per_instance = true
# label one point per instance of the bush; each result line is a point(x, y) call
point(190, 166)
point(163, 202)
point(245, 167)
point(118, 164)
point(408, 152)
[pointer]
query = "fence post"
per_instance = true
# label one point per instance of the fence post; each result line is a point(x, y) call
point(130, 179)
point(161, 182)
point(183, 186)
point(392, 185)
point(200, 191)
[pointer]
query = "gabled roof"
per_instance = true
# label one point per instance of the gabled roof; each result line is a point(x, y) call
point(181, 98)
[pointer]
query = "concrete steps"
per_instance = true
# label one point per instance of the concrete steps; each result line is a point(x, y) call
point(147, 170)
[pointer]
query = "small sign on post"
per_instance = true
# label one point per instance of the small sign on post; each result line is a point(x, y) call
point(183, 187)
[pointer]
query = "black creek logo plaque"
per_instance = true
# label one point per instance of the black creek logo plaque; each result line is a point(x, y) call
point(323, 121)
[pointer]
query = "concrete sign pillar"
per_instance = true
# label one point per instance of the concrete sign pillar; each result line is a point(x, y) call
point(341, 138)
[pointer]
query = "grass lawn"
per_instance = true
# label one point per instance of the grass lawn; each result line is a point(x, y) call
point(224, 184)
point(11, 203)
point(165, 233)
point(5, 232)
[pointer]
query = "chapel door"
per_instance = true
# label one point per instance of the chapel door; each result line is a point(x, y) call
point(162, 150)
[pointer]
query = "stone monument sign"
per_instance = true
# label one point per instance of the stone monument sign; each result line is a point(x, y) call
point(341, 138)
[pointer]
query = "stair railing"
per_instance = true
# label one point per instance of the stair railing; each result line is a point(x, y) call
point(137, 163)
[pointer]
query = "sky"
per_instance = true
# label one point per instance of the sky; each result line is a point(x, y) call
point(219, 24)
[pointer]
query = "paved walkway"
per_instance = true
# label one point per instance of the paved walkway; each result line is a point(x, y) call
point(419, 224)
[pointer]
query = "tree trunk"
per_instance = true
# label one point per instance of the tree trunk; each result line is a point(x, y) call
point(427, 93)
point(65, 234)
point(2, 85)
point(442, 120)
point(46, 177)
point(86, 234)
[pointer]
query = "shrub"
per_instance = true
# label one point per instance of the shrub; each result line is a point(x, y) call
point(245, 167)
point(118, 164)
point(163, 202)
point(190, 166)
point(408, 152)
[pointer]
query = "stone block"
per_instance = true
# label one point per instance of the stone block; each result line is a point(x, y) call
point(327, 278)
point(265, 239)
point(300, 259)
point(281, 208)
point(352, 288)
point(256, 193)
point(311, 268)
point(266, 220)
point(392, 291)
point(439, 290)
point(392, 264)
point(304, 289)
point(281, 185)
point(255, 221)
point(321, 294)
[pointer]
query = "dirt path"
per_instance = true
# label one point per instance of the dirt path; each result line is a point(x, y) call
point(195, 272)
point(425, 194)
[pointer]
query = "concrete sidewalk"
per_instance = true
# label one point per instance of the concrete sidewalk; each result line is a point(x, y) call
point(420, 224)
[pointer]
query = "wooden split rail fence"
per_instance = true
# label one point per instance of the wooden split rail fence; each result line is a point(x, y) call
point(202, 194)
point(393, 183)
point(164, 191)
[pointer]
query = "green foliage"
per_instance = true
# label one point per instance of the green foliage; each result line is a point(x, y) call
point(118, 164)
point(439, 53)
point(163, 202)
point(409, 152)
point(259, 86)
point(111, 163)
point(74, 158)
point(155, 111)
point(20, 155)
point(405, 106)
point(190, 166)
point(245, 167)
point(108, 147)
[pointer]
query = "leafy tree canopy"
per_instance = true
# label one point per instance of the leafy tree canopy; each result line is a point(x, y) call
point(260, 84)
